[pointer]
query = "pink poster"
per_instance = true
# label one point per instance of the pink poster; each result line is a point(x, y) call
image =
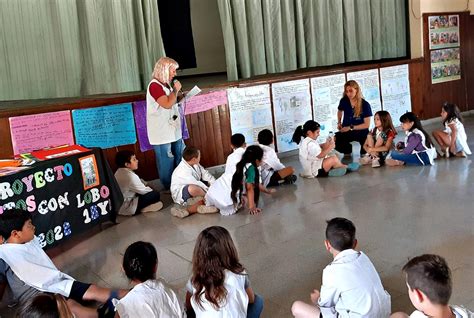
point(203, 102)
point(34, 132)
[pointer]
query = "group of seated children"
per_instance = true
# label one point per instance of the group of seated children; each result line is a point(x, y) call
point(219, 285)
point(251, 170)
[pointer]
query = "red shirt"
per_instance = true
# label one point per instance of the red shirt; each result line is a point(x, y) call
point(156, 90)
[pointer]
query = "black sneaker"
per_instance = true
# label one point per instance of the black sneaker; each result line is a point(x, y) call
point(290, 179)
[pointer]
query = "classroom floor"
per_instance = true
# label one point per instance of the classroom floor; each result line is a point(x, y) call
point(399, 213)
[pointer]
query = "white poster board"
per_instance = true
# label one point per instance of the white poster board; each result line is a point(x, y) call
point(369, 83)
point(395, 91)
point(291, 107)
point(327, 92)
point(250, 111)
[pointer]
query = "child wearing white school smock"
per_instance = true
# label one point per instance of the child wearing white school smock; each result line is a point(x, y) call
point(273, 172)
point(453, 139)
point(149, 297)
point(218, 194)
point(189, 184)
point(351, 286)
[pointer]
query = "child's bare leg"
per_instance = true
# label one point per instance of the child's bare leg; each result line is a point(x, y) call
point(196, 191)
point(285, 172)
point(101, 294)
point(332, 162)
point(442, 138)
point(378, 143)
point(301, 309)
point(194, 207)
point(80, 311)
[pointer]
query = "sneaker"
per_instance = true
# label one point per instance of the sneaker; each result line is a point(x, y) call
point(290, 179)
point(306, 176)
point(446, 152)
point(366, 159)
point(375, 163)
point(194, 200)
point(338, 172)
point(353, 166)
point(179, 212)
point(204, 209)
point(152, 207)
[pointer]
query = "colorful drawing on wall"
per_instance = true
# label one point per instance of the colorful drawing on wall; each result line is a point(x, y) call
point(90, 173)
point(443, 31)
point(445, 65)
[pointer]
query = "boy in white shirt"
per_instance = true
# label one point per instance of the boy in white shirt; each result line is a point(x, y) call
point(272, 170)
point(237, 142)
point(351, 285)
point(429, 285)
point(138, 197)
point(28, 270)
point(189, 184)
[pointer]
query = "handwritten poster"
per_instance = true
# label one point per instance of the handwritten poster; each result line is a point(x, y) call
point(327, 92)
point(443, 31)
point(139, 112)
point(292, 107)
point(104, 127)
point(395, 90)
point(369, 82)
point(250, 110)
point(33, 132)
point(203, 102)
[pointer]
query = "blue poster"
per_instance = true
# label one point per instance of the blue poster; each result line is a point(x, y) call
point(104, 127)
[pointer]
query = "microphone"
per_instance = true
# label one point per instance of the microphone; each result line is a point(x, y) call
point(172, 85)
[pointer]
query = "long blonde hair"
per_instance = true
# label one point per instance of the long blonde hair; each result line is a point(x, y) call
point(161, 72)
point(358, 96)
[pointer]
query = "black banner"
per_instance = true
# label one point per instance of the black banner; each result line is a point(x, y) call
point(65, 196)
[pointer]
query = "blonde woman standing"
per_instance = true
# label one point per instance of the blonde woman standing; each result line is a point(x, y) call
point(162, 118)
point(353, 119)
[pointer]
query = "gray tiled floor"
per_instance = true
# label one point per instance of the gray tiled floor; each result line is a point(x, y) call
point(398, 212)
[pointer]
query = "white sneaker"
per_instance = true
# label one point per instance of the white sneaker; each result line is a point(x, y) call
point(375, 163)
point(366, 159)
point(179, 212)
point(204, 209)
point(152, 207)
point(446, 152)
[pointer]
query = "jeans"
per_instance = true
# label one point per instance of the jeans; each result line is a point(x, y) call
point(168, 156)
point(344, 139)
point(254, 310)
point(412, 159)
point(147, 199)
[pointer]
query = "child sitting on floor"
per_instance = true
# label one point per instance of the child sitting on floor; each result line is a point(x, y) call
point(273, 171)
point(219, 286)
point(453, 138)
point(379, 141)
point(138, 197)
point(246, 182)
point(149, 297)
point(189, 184)
point(314, 157)
point(417, 150)
point(351, 285)
point(429, 283)
point(28, 270)
point(237, 142)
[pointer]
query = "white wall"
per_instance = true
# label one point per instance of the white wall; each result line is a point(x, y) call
point(416, 10)
point(208, 39)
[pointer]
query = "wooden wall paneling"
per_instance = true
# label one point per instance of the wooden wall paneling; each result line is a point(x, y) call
point(416, 78)
point(6, 147)
point(217, 142)
point(209, 139)
point(226, 132)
